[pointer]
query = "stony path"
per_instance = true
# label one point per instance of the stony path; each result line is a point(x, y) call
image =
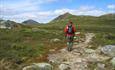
point(77, 59)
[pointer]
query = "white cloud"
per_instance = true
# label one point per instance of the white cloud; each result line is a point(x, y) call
point(40, 16)
point(112, 6)
point(83, 10)
point(45, 16)
point(23, 5)
point(90, 11)
point(42, 1)
point(24, 9)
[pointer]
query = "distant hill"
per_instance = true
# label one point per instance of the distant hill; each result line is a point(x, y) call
point(108, 16)
point(64, 16)
point(30, 22)
point(8, 24)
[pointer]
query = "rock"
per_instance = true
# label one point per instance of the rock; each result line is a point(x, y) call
point(100, 66)
point(39, 66)
point(64, 67)
point(32, 67)
point(76, 54)
point(98, 50)
point(94, 57)
point(79, 60)
point(80, 66)
point(63, 50)
point(89, 51)
point(77, 33)
point(109, 50)
point(55, 40)
point(52, 50)
point(55, 58)
point(113, 62)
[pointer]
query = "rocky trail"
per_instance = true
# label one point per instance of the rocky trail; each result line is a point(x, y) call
point(80, 58)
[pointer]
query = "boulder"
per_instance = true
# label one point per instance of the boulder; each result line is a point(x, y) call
point(39, 66)
point(64, 67)
point(89, 51)
point(55, 40)
point(100, 66)
point(94, 57)
point(109, 50)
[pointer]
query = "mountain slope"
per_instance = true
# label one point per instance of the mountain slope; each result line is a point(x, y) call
point(108, 16)
point(67, 16)
point(104, 23)
point(70, 17)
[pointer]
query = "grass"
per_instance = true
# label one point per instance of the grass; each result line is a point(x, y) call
point(25, 45)
point(102, 39)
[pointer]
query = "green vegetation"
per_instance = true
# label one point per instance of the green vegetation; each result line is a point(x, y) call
point(31, 43)
point(23, 46)
point(102, 39)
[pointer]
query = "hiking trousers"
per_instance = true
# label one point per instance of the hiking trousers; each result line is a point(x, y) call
point(69, 42)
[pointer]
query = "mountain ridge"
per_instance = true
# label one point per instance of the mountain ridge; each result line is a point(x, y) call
point(66, 16)
point(70, 17)
point(30, 22)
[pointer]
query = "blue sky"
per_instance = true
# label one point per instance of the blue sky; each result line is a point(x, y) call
point(46, 10)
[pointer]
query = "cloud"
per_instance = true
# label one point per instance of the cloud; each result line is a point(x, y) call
point(40, 16)
point(23, 9)
point(29, 9)
point(112, 6)
point(83, 10)
point(42, 1)
point(22, 5)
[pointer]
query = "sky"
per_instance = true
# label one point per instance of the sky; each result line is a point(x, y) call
point(44, 11)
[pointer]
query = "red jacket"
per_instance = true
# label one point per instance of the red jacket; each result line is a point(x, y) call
point(66, 28)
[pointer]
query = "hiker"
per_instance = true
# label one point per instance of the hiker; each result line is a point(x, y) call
point(70, 30)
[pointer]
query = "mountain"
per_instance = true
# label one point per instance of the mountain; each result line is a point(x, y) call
point(63, 17)
point(30, 22)
point(104, 23)
point(82, 18)
point(67, 16)
point(8, 24)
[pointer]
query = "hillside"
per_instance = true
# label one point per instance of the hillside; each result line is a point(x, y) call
point(87, 23)
point(108, 16)
point(67, 16)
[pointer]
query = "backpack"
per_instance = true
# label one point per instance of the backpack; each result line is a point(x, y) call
point(70, 29)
